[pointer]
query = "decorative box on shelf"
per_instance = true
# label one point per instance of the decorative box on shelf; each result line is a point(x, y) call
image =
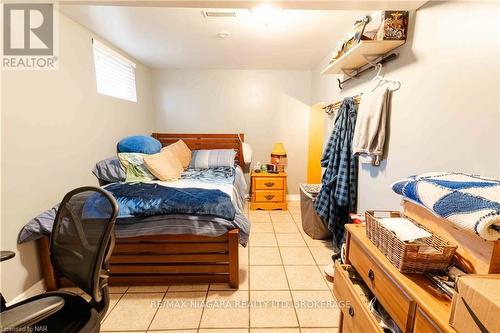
point(268, 191)
point(384, 32)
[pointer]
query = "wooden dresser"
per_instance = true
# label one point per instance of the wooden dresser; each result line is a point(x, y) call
point(410, 299)
point(268, 191)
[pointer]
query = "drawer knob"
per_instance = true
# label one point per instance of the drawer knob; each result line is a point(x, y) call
point(371, 275)
point(269, 196)
point(269, 184)
point(351, 311)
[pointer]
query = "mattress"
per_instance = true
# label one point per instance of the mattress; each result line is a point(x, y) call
point(230, 181)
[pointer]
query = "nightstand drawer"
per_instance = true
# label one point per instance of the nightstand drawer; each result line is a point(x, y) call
point(394, 300)
point(269, 196)
point(262, 183)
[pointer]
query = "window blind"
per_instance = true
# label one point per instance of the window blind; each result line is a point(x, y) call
point(115, 74)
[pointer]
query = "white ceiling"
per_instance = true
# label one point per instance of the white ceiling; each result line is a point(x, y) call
point(184, 38)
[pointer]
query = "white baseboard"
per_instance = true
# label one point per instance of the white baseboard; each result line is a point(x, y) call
point(36, 289)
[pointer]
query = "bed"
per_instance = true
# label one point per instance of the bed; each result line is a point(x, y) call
point(182, 257)
point(462, 208)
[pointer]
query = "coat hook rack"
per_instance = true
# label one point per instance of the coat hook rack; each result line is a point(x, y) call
point(372, 65)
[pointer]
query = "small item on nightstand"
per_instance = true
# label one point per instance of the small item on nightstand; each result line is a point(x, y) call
point(257, 167)
point(272, 168)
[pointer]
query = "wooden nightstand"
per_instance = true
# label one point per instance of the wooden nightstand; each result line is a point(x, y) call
point(268, 191)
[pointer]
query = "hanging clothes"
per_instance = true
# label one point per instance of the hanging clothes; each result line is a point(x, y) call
point(340, 180)
point(370, 131)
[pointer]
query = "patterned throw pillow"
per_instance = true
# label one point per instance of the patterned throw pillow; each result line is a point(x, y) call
point(135, 169)
point(164, 165)
point(213, 158)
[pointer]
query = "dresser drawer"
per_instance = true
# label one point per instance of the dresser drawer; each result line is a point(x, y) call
point(268, 196)
point(353, 299)
point(423, 324)
point(394, 300)
point(269, 183)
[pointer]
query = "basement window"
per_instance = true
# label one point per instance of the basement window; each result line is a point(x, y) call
point(115, 74)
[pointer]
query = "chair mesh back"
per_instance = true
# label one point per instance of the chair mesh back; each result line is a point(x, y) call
point(81, 237)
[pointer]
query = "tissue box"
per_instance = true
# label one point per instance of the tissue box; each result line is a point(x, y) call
point(476, 304)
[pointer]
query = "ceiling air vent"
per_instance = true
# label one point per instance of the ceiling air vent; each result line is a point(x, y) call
point(218, 14)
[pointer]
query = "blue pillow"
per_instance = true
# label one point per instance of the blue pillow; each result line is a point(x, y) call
point(139, 144)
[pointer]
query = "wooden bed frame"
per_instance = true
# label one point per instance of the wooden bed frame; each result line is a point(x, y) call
point(167, 259)
point(474, 255)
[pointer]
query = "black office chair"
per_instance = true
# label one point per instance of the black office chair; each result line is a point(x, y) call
point(80, 246)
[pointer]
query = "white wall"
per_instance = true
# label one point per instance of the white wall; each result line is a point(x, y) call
point(54, 128)
point(446, 115)
point(266, 105)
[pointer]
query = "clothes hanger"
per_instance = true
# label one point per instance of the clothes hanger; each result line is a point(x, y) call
point(395, 85)
point(379, 75)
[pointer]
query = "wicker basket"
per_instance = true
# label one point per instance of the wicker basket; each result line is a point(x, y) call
point(432, 253)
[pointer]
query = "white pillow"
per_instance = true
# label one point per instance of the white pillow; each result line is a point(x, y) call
point(212, 158)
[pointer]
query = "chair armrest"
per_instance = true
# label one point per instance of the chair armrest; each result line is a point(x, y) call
point(6, 255)
point(29, 313)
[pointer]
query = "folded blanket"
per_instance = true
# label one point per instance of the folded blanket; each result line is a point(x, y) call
point(470, 202)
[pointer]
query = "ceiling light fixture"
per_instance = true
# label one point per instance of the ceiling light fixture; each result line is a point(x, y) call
point(223, 34)
point(267, 14)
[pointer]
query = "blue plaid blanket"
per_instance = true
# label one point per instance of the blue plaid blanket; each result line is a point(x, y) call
point(470, 202)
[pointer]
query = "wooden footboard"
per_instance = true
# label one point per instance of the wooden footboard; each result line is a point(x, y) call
point(163, 259)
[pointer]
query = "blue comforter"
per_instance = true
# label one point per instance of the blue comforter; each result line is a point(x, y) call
point(146, 199)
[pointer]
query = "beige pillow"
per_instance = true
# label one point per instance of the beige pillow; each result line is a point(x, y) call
point(181, 151)
point(165, 165)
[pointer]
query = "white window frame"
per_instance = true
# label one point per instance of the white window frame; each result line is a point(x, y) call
point(109, 70)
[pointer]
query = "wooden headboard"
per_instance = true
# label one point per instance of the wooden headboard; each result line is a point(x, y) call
point(206, 141)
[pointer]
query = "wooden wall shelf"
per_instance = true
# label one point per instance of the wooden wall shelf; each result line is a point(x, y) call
point(359, 55)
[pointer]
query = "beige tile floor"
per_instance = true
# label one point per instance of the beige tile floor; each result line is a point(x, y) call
point(282, 290)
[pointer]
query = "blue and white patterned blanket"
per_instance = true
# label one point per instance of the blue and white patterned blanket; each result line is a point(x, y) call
point(468, 201)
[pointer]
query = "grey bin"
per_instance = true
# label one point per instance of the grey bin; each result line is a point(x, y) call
point(312, 224)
